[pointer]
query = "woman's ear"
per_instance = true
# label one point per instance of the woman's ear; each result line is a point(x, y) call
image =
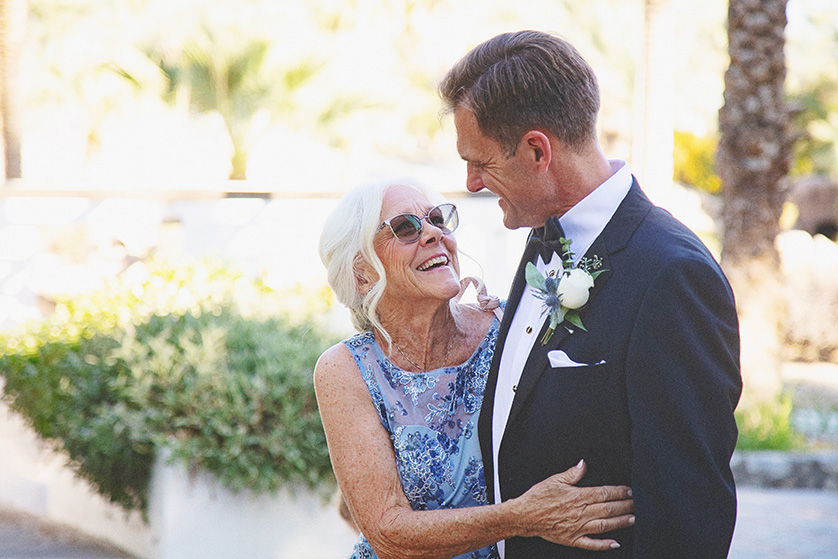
point(365, 277)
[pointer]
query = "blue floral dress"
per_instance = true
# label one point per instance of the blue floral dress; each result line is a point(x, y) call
point(432, 421)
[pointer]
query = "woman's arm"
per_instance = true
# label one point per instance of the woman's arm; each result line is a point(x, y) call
point(365, 467)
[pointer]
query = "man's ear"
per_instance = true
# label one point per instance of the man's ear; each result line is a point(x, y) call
point(538, 149)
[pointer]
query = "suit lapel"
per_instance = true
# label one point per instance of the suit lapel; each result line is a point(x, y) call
point(484, 422)
point(614, 237)
point(598, 251)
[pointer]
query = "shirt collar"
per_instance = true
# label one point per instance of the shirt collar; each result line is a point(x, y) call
point(584, 222)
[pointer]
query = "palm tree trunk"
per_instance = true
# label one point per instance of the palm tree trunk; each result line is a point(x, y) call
point(754, 158)
point(13, 15)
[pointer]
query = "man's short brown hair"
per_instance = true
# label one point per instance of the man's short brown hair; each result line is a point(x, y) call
point(527, 80)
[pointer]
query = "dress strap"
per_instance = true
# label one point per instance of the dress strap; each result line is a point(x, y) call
point(485, 301)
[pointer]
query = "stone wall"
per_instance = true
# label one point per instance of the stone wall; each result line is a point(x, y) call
point(814, 470)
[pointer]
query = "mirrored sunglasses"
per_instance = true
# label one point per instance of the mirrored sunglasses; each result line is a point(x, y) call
point(408, 227)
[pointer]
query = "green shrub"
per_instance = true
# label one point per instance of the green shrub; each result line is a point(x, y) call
point(816, 148)
point(767, 426)
point(695, 161)
point(195, 359)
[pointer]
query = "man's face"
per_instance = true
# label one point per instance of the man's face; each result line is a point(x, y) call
point(523, 196)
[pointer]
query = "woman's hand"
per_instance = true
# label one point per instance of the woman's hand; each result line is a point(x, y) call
point(559, 512)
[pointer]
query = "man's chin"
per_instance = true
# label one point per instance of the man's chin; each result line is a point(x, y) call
point(510, 222)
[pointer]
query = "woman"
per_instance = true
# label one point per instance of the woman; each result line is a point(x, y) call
point(399, 401)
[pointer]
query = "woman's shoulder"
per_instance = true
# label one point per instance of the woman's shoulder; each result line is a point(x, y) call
point(343, 354)
point(335, 361)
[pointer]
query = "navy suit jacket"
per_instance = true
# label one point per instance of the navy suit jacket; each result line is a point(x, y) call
point(654, 407)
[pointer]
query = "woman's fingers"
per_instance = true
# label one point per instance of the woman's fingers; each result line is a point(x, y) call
point(573, 475)
point(598, 526)
point(601, 494)
point(603, 525)
point(606, 493)
point(609, 508)
point(593, 544)
point(598, 510)
point(563, 513)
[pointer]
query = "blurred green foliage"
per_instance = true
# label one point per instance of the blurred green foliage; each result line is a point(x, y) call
point(768, 426)
point(816, 120)
point(195, 359)
point(695, 161)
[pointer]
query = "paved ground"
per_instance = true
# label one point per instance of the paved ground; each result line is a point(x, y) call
point(24, 536)
point(786, 524)
point(773, 524)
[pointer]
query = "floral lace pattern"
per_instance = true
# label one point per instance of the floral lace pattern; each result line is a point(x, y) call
point(432, 421)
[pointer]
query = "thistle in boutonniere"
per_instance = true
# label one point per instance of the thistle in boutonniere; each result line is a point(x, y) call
point(564, 295)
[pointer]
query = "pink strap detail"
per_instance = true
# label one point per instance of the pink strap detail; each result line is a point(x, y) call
point(485, 301)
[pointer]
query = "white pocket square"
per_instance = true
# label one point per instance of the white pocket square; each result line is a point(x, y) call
point(558, 358)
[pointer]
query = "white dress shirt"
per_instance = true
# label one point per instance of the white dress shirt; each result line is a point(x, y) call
point(582, 223)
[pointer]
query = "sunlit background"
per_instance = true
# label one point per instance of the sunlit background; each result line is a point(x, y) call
point(119, 96)
point(176, 130)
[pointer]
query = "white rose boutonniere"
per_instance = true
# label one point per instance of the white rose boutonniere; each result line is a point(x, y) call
point(574, 287)
point(564, 295)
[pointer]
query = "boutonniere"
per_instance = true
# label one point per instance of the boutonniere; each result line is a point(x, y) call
point(567, 293)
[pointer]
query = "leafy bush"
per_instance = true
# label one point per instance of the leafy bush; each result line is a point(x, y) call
point(816, 150)
point(767, 426)
point(695, 161)
point(195, 359)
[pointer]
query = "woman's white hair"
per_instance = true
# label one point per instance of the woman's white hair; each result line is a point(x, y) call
point(346, 247)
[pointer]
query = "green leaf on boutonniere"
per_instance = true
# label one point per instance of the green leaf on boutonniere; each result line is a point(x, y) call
point(534, 277)
point(573, 318)
point(596, 274)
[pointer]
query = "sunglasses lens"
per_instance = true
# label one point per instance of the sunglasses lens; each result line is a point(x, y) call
point(406, 227)
point(445, 217)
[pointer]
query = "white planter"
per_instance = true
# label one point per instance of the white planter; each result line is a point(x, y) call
point(189, 516)
point(193, 516)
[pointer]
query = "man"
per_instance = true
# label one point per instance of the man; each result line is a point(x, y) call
point(645, 390)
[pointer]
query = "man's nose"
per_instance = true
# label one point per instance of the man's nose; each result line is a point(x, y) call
point(474, 182)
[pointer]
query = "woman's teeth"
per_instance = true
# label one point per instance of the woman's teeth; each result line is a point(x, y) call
point(433, 262)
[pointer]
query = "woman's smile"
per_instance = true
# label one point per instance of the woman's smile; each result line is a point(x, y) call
point(433, 263)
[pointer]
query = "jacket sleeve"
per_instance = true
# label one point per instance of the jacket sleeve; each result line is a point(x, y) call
point(683, 382)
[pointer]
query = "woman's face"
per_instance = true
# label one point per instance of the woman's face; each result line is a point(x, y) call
point(426, 269)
